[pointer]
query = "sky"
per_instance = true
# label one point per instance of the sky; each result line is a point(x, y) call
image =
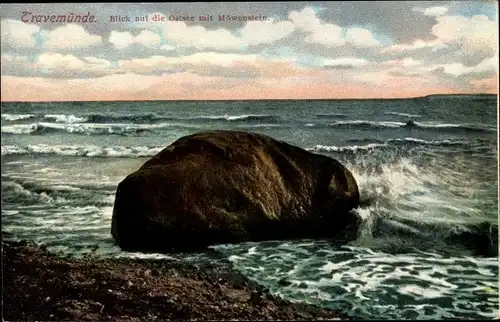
point(270, 50)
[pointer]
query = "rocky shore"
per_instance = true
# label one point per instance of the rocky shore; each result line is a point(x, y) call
point(39, 285)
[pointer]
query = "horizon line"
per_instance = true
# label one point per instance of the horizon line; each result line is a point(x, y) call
point(263, 99)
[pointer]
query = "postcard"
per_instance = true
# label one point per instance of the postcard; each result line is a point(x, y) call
point(342, 155)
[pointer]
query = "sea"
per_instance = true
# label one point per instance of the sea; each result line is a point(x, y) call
point(428, 166)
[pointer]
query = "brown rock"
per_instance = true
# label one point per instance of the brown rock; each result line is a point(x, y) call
point(229, 186)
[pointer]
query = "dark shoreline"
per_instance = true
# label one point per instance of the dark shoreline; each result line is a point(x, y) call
point(39, 285)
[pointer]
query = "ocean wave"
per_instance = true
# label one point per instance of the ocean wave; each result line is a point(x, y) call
point(332, 148)
point(374, 144)
point(331, 115)
point(16, 117)
point(432, 142)
point(64, 118)
point(136, 118)
point(19, 129)
point(153, 117)
point(244, 117)
point(83, 151)
point(148, 151)
point(481, 238)
point(403, 114)
point(136, 151)
point(367, 124)
point(75, 194)
point(102, 124)
point(412, 124)
point(14, 191)
point(81, 128)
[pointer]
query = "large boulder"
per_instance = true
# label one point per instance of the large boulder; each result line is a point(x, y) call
point(229, 186)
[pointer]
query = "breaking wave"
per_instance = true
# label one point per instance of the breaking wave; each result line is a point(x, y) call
point(367, 145)
point(411, 124)
point(16, 117)
point(136, 118)
point(148, 151)
point(403, 114)
point(82, 151)
point(88, 128)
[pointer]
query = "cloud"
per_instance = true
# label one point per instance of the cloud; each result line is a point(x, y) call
point(97, 61)
point(243, 66)
point(226, 65)
point(489, 65)
point(179, 34)
point(411, 67)
point(145, 38)
point(167, 47)
point(435, 11)
point(220, 59)
point(405, 62)
point(70, 36)
point(69, 66)
point(417, 44)
point(17, 34)
point(16, 65)
point(345, 63)
point(327, 34)
point(327, 54)
point(361, 37)
point(160, 64)
point(56, 65)
point(318, 32)
point(476, 35)
point(474, 38)
point(305, 21)
point(432, 11)
point(55, 61)
point(121, 39)
point(201, 38)
point(265, 32)
point(203, 63)
point(148, 39)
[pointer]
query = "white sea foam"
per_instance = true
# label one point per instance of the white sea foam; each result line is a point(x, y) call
point(90, 128)
point(388, 143)
point(234, 117)
point(388, 124)
point(83, 151)
point(403, 114)
point(64, 118)
point(19, 128)
point(31, 195)
point(333, 148)
point(422, 125)
point(364, 278)
point(16, 117)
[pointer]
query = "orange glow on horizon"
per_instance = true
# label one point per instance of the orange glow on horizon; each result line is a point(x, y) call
point(146, 88)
